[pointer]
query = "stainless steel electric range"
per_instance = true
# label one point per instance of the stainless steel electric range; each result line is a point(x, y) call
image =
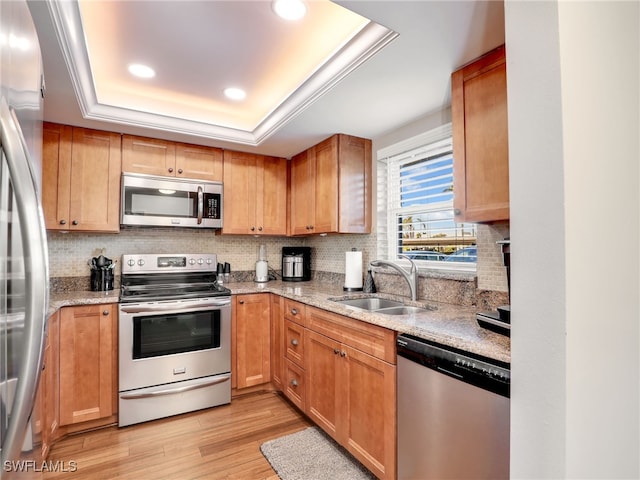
point(174, 336)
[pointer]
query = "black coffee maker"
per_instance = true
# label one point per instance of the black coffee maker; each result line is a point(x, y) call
point(296, 264)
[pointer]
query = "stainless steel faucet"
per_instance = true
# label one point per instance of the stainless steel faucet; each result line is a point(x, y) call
point(411, 276)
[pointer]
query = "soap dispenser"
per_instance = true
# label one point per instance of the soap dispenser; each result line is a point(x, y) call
point(369, 284)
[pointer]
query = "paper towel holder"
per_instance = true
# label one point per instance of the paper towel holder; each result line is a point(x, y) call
point(358, 285)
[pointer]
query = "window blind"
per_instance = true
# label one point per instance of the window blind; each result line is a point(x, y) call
point(419, 207)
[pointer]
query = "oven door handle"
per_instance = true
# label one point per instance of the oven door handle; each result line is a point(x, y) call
point(174, 306)
point(170, 391)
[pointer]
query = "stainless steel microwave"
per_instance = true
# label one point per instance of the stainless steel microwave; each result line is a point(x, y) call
point(170, 202)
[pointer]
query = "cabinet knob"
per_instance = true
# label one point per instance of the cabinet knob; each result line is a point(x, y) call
point(294, 382)
point(456, 211)
point(63, 222)
point(294, 311)
point(336, 351)
point(105, 312)
point(75, 222)
point(310, 227)
point(253, 229)
point(180, 170)
point(241, 302)
point(170, 170)
point(343, 353)
point(294, 342)
point(259, 229)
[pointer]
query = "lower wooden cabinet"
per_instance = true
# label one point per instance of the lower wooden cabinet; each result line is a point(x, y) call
point(277, 327)
point(341, 372)
point(251, 331)
point(88, 363)
point(351, 395)
point(50, 386)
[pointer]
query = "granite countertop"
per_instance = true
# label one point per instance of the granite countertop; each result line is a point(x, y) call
point(448, 324)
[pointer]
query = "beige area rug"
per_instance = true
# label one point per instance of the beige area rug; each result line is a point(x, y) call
point(312, 455)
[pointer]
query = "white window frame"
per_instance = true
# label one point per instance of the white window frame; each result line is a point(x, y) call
point(431, 142)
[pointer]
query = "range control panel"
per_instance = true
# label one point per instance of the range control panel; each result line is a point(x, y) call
point(162, 263)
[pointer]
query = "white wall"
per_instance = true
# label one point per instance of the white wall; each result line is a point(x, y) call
point(573, 79)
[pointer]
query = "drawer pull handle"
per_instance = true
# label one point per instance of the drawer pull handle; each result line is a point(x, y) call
point(294, 342)
point(105, 312)
point(294, 311)
point(343, 353)
point(241, 302)
point(294, 383)
point(336, 351)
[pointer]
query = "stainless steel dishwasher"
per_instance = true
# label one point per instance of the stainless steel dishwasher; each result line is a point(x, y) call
point(453, 413)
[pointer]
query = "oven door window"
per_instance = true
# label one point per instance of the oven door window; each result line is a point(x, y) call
point(158, 335)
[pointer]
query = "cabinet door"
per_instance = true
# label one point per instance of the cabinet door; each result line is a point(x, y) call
point(253, 340)
point(87, 363)
point(302, 202)
point(480, 139)
point(354, 155)
point(326, 188)
point(202, 163)
point(95, 181)
point(322, 376)
point(56, 175)
point(271, 187)
point(50, 386)
point(294, 342)
point(277, 340)
point(239, 193)
point(294, 384)
point(148, 155)
point(369, 430)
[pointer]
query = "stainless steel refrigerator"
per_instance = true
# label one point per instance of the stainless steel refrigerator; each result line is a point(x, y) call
point(24, 275)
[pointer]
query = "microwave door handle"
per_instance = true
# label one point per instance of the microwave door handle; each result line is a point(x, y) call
point(200, 204)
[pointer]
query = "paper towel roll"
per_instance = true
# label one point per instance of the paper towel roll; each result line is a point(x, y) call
point(353, 271)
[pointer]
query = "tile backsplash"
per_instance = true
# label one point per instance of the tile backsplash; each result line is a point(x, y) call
point(70, 252)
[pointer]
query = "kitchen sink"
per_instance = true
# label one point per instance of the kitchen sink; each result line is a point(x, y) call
point(372, 303)
point(381, 305)
point(402, 310)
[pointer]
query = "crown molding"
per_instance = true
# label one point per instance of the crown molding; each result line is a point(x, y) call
point(69, 32)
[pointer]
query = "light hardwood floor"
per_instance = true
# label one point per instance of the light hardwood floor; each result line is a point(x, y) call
point(218, 443)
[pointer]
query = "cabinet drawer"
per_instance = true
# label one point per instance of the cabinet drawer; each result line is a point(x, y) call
point(294, 342)
point(294, 384)
point(295, 311)
point(372, 339)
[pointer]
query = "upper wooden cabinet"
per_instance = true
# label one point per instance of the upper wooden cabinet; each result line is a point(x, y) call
point(255, 194)
point(81, 179)
point(480, 139)
point(170, 159)
point(331, 187)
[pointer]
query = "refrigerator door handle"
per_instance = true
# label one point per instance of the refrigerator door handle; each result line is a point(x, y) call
point(34, 249)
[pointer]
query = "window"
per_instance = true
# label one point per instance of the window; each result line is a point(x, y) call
point(415, 187)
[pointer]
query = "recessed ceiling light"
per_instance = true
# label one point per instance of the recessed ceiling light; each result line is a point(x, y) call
point(290, 9)
point(235, 93)
point(141, 71)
